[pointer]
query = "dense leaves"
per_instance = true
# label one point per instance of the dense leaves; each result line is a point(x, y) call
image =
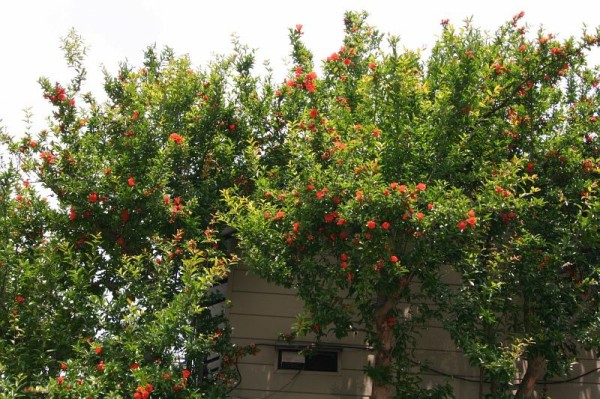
point(108, 289)
point(362, 183)
point(482, 159)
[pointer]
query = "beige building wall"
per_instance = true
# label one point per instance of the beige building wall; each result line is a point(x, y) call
point(260, 311)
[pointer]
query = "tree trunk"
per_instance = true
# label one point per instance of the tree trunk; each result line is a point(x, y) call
point(383, 356)
point(383, 388)
point(535, 369)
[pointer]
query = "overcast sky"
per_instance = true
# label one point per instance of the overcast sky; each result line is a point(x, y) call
point(116, 30)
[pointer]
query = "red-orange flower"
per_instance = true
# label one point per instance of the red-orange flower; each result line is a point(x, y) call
point(124, 216)
point(176, 138)
point(131, 182)
point(93, 197)
point(371, 224)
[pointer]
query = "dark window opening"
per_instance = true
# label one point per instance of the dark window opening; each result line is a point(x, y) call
point(316, 360)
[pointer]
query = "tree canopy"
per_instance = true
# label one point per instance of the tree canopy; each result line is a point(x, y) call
point(482, 158)
point(362, 182)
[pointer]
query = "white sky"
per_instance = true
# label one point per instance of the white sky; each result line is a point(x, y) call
point(116, 30)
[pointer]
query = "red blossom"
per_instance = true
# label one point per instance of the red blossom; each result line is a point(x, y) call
point(530, 168)
point(72, 214)
point(371, 224)
point(99, 350)
point(390, 321)
point(131, 182)
point(385, 225)
point(135, 115)
point(347, 61)
point(393, 258)
point(333, 57)
point(60, 380)
point(330, 217)
point(421, 186)
point(462, 225)
point(299, 29)
point(93, 197)
point(100, 366)
point(19, 299)
point(134, 366)
point(124, 216)
point(176, 138)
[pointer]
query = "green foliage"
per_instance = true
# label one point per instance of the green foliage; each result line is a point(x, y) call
point(483, 158)
point(360, 188)
point(107, 288)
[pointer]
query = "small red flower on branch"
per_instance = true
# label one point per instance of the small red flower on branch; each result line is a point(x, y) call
point(176, 138)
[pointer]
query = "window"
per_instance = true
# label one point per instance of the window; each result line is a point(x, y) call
point(315, 360)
